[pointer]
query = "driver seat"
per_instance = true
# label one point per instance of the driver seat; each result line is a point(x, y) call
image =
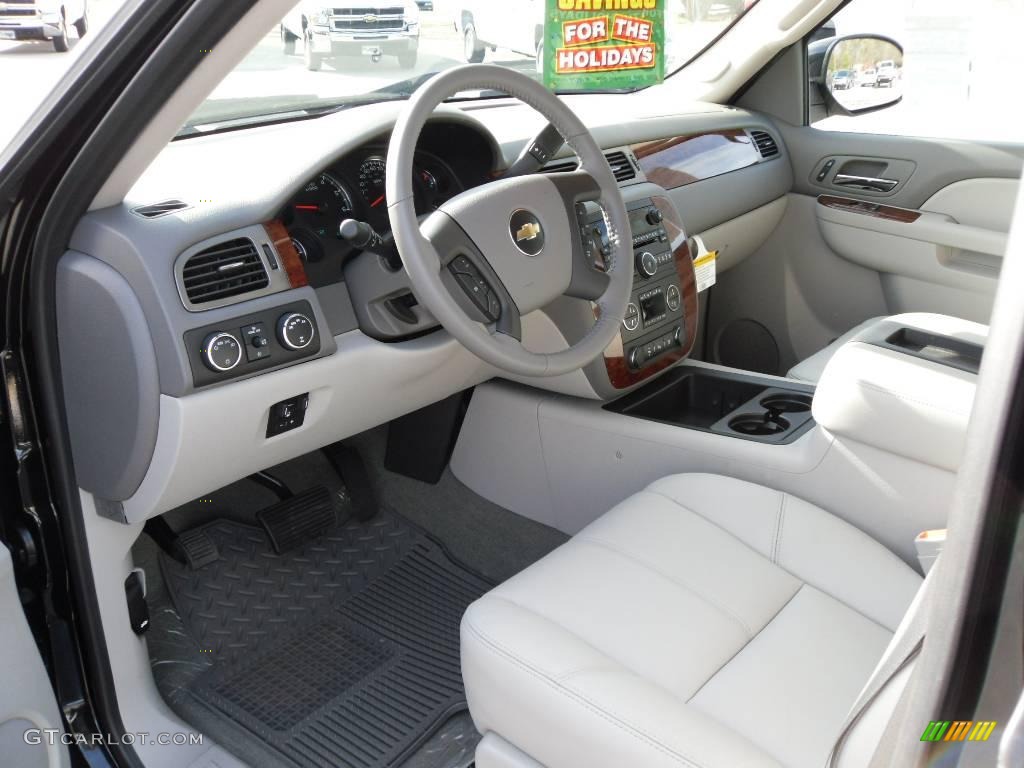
point(704, 622)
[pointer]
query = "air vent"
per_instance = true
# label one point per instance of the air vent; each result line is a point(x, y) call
point(620, 163)
point(227, 269)
point(156, 210)
point(621, 166)
point(560, 166)
point(765, 144)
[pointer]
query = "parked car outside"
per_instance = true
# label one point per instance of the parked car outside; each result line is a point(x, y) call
point(349, 28)
point(885, 73)
point(44, 21)
point(842, 80)
point(868, 78)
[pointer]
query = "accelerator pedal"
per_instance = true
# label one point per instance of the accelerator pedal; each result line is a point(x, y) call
point(293, 522)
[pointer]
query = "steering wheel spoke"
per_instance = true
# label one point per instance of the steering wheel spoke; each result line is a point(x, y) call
point(469, 278)
point(589, 278)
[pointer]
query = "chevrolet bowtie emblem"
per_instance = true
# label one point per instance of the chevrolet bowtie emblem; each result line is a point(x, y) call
point(528, 231)
point(370, 18)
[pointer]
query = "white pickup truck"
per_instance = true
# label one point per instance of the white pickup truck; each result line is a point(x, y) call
point(353, 28)
point(487, 24)
point(43, 20)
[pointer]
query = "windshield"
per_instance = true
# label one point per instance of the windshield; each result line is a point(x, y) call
point(351, 52)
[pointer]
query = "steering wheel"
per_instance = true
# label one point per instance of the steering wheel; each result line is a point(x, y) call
point(493, 254)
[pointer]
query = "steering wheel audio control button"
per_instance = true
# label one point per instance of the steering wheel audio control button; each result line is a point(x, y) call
point(473, 284)
point(632, 319)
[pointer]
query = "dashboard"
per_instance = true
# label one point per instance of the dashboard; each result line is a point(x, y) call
point(448, 162)
point(251, 333)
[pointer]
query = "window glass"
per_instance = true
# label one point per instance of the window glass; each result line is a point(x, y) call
point(330, 55)
point(959, 72)
point(39, 40)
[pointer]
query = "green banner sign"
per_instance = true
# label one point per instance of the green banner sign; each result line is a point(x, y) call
point(603, 44)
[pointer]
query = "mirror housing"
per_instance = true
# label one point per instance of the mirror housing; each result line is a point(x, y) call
point(850, 66)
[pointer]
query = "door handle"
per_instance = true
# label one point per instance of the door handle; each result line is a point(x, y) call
point(865, 182)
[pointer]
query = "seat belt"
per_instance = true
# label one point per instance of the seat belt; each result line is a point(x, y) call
point(902, 650)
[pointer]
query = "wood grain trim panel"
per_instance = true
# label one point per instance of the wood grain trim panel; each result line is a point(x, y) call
point(865, 208)
point(620, 374)
point(290, 259)
point(682, 160)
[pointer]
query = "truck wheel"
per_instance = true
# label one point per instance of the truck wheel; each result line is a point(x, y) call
point(82, 26)
point(312, 58)
point(407, 60)
point(289, 41)
point(60, 43)
point(473, 51)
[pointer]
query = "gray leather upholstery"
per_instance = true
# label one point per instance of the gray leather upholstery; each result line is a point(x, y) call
point(704, 622)
point(812, 368)
point(945, 325)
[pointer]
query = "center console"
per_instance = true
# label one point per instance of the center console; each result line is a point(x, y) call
point(660, 325)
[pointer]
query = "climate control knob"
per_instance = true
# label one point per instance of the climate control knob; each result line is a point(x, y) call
point(295, 331)
point(647, 264)
point(221, 352)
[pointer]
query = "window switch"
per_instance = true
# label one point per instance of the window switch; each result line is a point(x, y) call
point(287, 415)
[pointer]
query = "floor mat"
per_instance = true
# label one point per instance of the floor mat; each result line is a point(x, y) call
point(343, 653)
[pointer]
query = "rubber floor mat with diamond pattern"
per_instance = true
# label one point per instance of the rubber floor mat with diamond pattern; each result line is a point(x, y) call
point(343, 653)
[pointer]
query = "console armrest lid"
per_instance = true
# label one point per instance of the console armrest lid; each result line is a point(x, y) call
point(896, 402)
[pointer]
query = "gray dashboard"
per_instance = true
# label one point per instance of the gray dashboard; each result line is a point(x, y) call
point(122, 269)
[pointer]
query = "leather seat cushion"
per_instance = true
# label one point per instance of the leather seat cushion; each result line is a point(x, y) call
point(704, 621)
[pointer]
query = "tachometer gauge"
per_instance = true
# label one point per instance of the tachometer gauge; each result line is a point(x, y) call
point(322, 205)
point(372, 175)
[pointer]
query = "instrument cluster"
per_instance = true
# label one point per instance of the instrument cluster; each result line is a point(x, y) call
point(353, 188)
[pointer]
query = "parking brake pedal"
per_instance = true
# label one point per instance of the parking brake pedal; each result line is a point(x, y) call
point(197, 548)
point(291, 523)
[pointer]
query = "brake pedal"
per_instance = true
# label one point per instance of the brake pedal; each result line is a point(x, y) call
point(293, 522)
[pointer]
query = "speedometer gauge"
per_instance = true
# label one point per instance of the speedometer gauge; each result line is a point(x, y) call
point(372, 175)
point(323, 204)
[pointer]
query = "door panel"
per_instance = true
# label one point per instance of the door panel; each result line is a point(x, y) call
point(27, 703)
point(980, 202)
point(932, 243)
point(937, 162)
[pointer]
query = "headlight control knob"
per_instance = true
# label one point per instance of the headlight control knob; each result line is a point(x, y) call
point(295, 331)
point(221, 352)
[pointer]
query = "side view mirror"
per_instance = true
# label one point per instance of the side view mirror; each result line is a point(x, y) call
point(857, 74)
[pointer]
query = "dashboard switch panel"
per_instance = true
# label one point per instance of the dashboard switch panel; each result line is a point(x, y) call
point(242, 346)
point(287, 415)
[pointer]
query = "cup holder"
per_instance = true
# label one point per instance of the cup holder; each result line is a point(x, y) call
point(787, 403)
point(759, 426)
